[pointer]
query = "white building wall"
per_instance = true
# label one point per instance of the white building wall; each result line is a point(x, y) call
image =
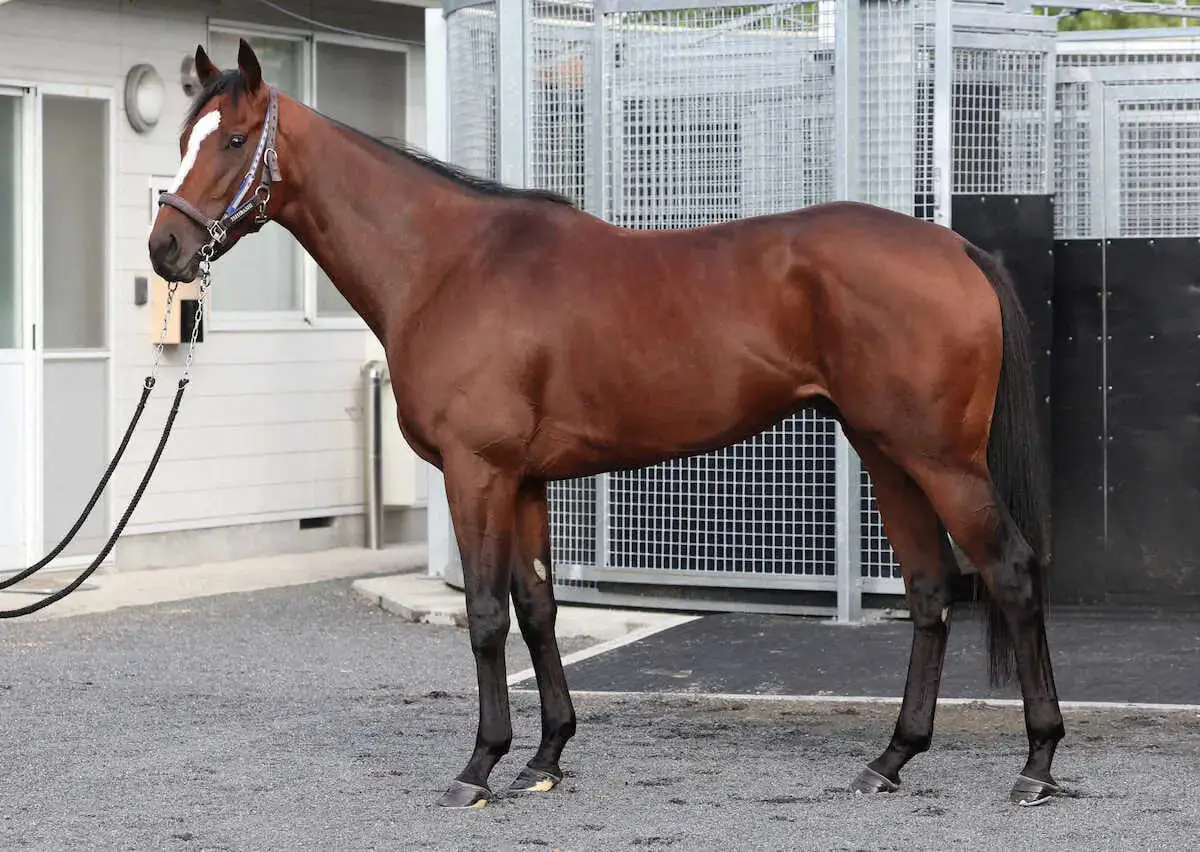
point(270, 427)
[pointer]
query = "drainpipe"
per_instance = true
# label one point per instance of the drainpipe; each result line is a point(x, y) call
point(374, 376)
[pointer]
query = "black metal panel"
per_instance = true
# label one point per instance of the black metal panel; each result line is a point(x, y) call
point(1154, 419)
point(1019, 229)
point(1077, 427)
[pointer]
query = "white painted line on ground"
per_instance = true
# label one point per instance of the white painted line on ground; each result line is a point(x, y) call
point(611, 645)
point(876, 699)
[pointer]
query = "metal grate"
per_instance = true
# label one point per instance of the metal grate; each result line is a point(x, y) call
point(999, 123)
point(762, 507)
point(717, 113)
point(1147, 203)
point(560, 116)
point(895, 117)
point(1158, 155)
point(471, 64)
point(1073, 183)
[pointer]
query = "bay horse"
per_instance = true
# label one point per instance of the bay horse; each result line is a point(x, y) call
point(530, 342)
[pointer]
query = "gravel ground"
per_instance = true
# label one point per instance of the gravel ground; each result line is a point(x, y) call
point(303, 718)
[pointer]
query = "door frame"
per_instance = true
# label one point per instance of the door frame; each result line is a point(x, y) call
point(33, 312)
point(30, 246)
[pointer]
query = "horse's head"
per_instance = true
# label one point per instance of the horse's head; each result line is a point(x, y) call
point(223, 189)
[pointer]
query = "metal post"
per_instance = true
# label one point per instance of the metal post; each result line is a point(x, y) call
point(943, 82)
point(848, 538)
point(848, 486)
point(373, 376)
point(846, 105)
point(511, 86)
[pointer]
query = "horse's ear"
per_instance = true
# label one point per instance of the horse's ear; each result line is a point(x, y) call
point(248, 65)
point(205, 70)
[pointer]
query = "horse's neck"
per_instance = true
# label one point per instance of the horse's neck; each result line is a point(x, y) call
point(365, 220)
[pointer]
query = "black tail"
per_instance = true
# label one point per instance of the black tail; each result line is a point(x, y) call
point(1016, 457)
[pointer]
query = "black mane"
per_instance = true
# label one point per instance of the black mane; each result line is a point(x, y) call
point(459, 176)
point(234, 84)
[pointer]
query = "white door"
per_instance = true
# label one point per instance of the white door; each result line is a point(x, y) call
point(17, 118)
point(75, 143)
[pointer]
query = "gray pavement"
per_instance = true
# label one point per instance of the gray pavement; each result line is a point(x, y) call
point(305, 718)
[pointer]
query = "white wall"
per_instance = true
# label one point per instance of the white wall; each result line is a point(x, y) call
point(270, 425)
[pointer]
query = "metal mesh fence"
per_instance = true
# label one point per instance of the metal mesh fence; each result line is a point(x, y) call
point(1155, 189)
point(895, 139)
point(1073, 182)
point(999, 121)
point(1158, 157)
point(717, 113)
point(560, 117)
point(471, 63)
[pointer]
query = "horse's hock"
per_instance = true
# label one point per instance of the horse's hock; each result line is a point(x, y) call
point(978, 115)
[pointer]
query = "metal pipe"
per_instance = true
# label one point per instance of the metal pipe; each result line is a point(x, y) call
point(374, 374)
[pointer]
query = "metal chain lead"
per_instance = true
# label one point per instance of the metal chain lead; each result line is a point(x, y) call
point(162, 336)
point(205, 283)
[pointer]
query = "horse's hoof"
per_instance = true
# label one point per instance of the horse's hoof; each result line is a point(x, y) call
point(1028, 792)
point(463, 795)
point(870, 781)
point(534, 781)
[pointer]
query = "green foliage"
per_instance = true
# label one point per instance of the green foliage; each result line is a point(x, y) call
point(1118, 20)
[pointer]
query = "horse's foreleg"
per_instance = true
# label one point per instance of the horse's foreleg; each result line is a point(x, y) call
point(482, 506)
point(927, 562)
point(533, 594)
point(983, 527)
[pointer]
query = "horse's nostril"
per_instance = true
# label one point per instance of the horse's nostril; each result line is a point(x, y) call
point(172, 250)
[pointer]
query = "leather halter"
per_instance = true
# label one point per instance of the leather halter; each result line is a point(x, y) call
point(266, 159)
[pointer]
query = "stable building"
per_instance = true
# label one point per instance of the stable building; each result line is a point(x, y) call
point(266, 455)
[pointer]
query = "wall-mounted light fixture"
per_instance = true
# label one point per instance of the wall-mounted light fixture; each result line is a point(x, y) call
point(143, 97)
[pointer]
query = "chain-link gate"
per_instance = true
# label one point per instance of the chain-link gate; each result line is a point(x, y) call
point(664, 114)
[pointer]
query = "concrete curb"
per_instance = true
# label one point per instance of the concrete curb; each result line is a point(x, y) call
point(422, 599)
point(105, 592)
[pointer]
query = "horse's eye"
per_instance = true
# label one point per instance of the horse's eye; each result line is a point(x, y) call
point(237, 140)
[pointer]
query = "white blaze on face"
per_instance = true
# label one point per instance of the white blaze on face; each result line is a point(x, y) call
point(201, 130)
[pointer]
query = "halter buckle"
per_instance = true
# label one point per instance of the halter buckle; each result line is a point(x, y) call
point(218, 232)
point(263, 195)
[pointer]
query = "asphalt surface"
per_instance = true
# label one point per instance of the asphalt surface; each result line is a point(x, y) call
point(304, 718)
point(1147, 660)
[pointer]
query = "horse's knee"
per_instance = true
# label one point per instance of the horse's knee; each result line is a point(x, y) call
point(488, 623)
point(1014, 580)
point(929, 601)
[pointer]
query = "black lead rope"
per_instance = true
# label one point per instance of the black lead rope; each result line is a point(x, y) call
point(112, 540)
point(53, 554)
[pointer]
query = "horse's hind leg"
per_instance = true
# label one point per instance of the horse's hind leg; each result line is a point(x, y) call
point(533, 596)
point(984, 528)
point(927, 563)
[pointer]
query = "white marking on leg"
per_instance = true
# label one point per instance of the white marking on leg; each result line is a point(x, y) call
point(201, 130)
point(539, 568)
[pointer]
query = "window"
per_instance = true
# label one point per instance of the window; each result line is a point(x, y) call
point(263, 273)
point(357, 84)
point(364, 88)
